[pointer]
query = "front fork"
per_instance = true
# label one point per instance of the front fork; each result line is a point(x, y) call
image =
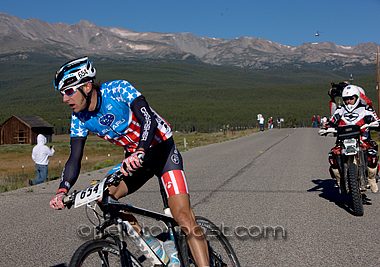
point(342, 163)
point(359, 161)
point(124, 253)
point(363, 173)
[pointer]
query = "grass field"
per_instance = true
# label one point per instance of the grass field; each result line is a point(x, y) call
point(17, 165)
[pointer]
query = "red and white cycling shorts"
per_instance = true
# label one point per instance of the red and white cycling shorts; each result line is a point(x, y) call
point(174, 182)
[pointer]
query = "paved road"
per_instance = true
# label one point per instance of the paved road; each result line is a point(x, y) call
point(272, 180)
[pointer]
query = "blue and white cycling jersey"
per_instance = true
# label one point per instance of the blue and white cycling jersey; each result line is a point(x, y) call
point(114, 120)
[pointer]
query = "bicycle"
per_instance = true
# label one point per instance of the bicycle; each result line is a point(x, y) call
point(116, 242)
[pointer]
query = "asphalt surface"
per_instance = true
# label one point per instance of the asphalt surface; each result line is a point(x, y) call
point(273, 180)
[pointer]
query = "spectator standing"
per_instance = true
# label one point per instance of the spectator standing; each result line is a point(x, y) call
point(40, 155)
point(278, 122)
point(262, 123)
point(324, 122)
point(314, 121)
point(258, 118)
point(270, 123)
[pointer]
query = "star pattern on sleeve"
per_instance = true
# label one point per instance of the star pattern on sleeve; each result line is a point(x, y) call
point(130, 97)
point(77, 128)
point(122, 91)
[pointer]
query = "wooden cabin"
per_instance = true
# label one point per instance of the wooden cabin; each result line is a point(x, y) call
point(24, 130)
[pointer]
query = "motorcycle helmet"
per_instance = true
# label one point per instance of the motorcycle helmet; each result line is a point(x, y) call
point(349, 92)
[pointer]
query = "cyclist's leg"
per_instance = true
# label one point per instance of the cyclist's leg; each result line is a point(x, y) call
point(184, 216)
point(174, 181)
point(129, 185)
point(119, 191)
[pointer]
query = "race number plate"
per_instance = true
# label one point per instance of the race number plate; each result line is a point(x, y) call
point(90, 194)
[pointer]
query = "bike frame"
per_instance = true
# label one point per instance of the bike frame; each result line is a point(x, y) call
point(113, 214)
point(111, 211)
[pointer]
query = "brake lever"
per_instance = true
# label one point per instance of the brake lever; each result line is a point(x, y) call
point(68, 200)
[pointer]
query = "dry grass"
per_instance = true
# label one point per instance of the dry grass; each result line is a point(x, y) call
point(17, 166)
point(17, 158)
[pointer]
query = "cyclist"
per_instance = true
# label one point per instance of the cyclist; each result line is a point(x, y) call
point(354, 112)
point(119, 113)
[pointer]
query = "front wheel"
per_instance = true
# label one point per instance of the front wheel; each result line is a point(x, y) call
point(103, 253)
point(354, 188)
point(220, 249)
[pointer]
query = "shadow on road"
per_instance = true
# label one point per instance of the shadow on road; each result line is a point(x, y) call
point(329, 191)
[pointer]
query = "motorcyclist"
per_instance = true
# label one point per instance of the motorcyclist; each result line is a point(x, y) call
point(354, 112)
point(336, 91)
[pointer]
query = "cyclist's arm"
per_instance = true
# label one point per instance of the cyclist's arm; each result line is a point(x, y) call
point(72, 167)
point(147, 120)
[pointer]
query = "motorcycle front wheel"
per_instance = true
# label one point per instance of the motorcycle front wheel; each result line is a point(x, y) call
point(354, 190)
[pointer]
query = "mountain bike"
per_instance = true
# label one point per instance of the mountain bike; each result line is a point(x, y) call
point(117, 243)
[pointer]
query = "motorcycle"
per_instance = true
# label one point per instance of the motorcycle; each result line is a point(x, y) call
point(351, 154)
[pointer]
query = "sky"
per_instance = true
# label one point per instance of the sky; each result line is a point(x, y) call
point(288, 22)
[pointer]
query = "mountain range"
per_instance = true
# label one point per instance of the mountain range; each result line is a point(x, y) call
point(21, 38)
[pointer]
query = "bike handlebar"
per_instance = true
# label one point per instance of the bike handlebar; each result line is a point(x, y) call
point(373, 124)
point(333, 130)
point(112, 179)
point(327, 131)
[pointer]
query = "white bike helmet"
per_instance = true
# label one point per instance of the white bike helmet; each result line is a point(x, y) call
point(74, 72)
point(350, 91)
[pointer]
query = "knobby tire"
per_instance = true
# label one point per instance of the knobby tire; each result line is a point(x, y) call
point(354, 189)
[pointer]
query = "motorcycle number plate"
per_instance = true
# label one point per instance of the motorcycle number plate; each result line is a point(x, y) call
point(90, 194)
point(349, 141)
point(350, 146)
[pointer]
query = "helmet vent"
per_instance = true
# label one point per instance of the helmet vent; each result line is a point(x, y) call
point(70, 80)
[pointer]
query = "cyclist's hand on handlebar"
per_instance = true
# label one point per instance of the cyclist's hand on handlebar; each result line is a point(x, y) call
point(56, 202)
point(133, 162)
